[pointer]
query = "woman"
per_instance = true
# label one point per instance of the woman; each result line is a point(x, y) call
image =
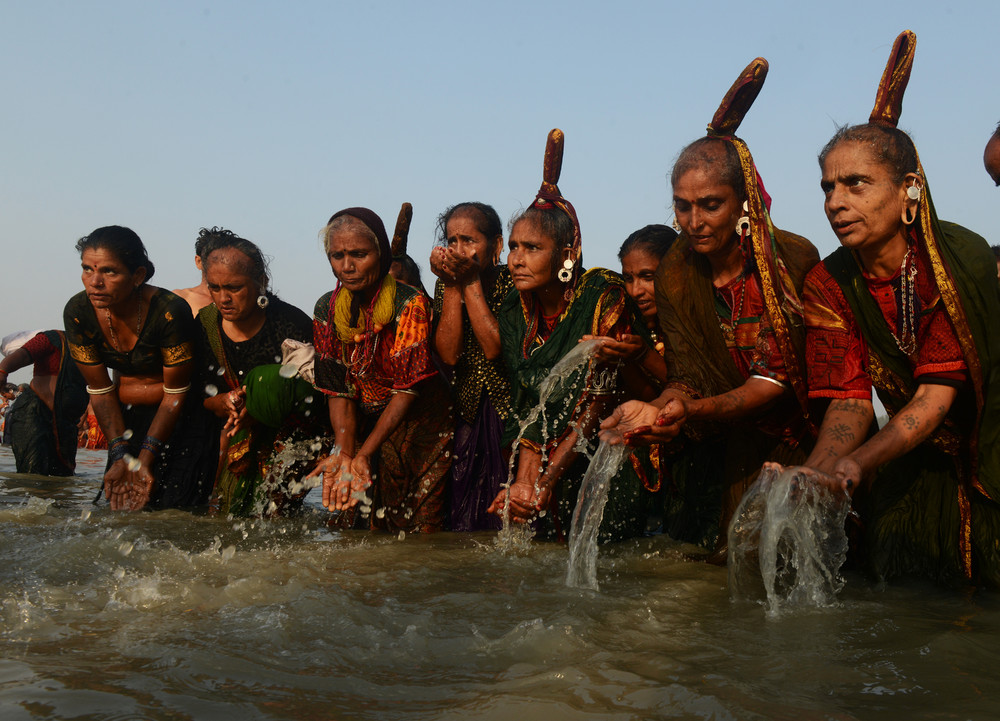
point(909, 306)
point(471, 287)
point(160, 453)
point(388, 405)
point(556, 304)
point(270, 428)
point(640, 256)
point(727, 294)
point(43, 421)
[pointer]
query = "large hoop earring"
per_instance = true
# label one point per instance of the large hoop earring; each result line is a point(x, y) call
point(262, 301)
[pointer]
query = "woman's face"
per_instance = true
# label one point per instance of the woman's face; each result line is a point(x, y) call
point(638, 270)
point(233, 290)
point(106, 279)
point(532, 258)
point(465, 239)
point(354, 259)
point(862, 201)
point(707, 210)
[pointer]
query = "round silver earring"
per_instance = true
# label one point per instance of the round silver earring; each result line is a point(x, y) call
point(913, 192)
point(565, 273)
point(262, 301)
point(743, 224)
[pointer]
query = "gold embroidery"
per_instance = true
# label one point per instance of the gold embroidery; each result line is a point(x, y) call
point(169, 316)
point(177, 354)
point(87, 355)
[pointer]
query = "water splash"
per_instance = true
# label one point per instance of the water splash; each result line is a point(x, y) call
point(581, 571)
point(515, 537)
point(787, 541)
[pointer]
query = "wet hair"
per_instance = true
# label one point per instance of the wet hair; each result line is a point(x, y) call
point(717, 155)
point(889, 146)
point(254, 267)
point(553, 223)
point(996, 251)
point(123, 243)
point(653, 239)
point(484, 216)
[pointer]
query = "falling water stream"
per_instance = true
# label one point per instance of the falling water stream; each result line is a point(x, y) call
point(168, 615)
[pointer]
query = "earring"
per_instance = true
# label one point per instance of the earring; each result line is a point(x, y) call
point(565, 273)
point(913, 192)
point(743, 224)
point(262, 301)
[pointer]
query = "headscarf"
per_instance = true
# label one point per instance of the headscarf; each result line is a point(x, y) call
point(350, 321)
point(375, 225)
point(780, 297)
point(549, 195)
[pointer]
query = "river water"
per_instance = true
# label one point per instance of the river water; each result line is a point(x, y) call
point(175, 616)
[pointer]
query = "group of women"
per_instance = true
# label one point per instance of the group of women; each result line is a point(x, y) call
point(714, 351)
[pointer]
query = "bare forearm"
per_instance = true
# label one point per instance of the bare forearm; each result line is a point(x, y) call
point(484, 323)
point(844, 428)
point(909, 428)
point(749, 399)
point(448, 336)
point(344, 419)
point(388, 421)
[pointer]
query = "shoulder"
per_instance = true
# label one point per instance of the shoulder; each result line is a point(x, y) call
point(77, 304)
point(285, 310)
point(170, 304)
point(321, 310)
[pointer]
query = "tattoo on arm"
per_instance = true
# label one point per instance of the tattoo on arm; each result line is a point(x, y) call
point(842, 433)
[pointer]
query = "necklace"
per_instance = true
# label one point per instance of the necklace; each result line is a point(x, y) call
point(729, 329)
point(111, 326)
point(906, 341)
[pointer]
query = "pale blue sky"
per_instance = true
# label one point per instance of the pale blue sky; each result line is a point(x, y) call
point(265, 118)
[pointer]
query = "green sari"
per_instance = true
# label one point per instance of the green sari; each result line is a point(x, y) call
point(598, 307)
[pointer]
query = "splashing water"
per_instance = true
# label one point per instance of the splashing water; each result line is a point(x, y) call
point(787, 540)
point(516, 537)
point(581, 570)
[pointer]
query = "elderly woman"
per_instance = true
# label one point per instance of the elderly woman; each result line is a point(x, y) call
point(160, 453)
point(727, 294)
point(909, 306)
point(471, 287)
point(269, 422)
point(388, 405)
point(556, 304)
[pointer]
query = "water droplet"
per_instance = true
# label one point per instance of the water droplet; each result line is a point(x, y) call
point(220, 372)
point(288, 370)
point(132, 463)
point(84, 514)
point(211, 391)
point(401, 536)
point(127, 434)
point(308, 399)
point(119, 573)
point(125, 548)
point(380, 513)
point(228, 552)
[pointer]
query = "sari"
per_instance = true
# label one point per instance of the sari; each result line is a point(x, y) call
point(598, 307)
point(263, 462)
point(43, 439)
point(410, 470)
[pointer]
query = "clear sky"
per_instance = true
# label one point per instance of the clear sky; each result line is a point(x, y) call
point(265, 118)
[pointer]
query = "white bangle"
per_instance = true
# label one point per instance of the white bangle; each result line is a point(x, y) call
point(177, 391)
point(100, 391)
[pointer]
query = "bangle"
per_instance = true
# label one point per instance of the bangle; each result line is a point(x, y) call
point(177, 391)
point(153, 445)
point(117, 448)
point(100, 391)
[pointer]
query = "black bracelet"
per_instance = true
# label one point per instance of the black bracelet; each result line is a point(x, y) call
point(153, 445)
point(117, 448)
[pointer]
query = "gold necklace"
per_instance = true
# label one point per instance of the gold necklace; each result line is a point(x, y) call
point(111, 326)
point(906, 341)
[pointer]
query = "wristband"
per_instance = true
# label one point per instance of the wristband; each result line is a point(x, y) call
point(153, 445)
point(117, 448)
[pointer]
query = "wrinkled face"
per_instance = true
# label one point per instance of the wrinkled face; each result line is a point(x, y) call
point(533, 259)
point(465, 239)
point(638, 270)
point(106, 279)
point(862, 201)
point(707, 210)
point(354, 259)
point(233, 290)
